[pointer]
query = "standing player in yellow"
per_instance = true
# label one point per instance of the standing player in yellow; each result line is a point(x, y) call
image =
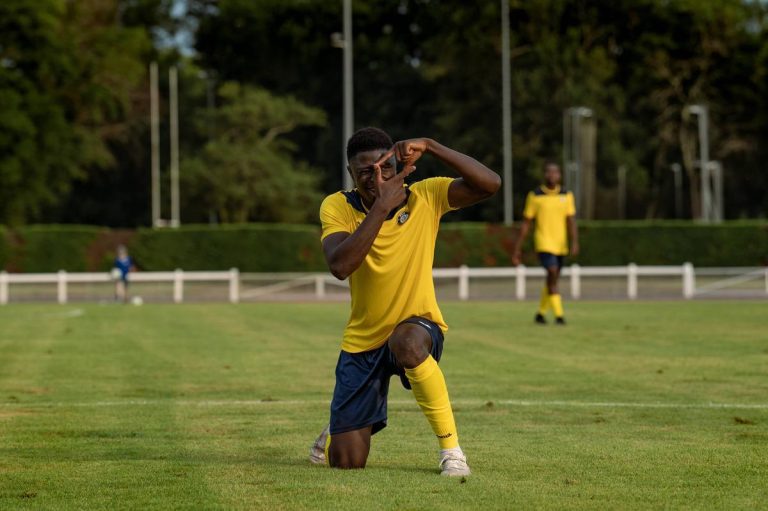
point(381, 236)
point(553, 209)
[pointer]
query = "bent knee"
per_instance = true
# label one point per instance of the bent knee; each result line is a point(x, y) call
point(410, 348)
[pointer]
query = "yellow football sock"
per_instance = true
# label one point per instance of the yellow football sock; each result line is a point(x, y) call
point(327, 448)
point(431, 394)
point(544, 302)
point(557, 305)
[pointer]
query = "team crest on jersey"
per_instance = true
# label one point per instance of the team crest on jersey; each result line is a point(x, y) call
point(403, 217)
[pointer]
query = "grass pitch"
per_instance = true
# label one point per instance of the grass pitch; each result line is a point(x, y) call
point(631, 406)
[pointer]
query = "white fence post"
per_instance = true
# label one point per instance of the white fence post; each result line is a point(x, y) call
point(62, 286)
point(631, 281)
point(689, 281)
point(575, 281)
point(234, 285)
point(520, 282)
point(319, 286)
point(4, 286)
point(178, 286)
point(463, 282)
point(766, 280)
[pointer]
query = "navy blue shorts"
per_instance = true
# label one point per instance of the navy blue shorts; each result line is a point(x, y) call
point(549, 260)
point(362, 383)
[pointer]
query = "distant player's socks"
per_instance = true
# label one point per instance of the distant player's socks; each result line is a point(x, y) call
point(544, 303)
point(557, 305)
point(431, 394)
point(453, 462)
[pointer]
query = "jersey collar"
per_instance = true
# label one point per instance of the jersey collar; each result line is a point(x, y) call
point(356, 201)
point(554, 191)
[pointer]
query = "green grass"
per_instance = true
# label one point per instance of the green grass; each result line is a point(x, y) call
point(161, 407)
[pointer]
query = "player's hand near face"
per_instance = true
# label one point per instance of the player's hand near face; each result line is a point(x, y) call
point(390, 192)
point(406, 152)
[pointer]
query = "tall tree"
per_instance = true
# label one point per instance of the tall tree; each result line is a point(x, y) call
point(68, 73)
point(434, 68)
point(247, 171)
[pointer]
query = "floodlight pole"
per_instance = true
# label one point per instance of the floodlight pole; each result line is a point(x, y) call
point(506, 93)
point(154, 123)
point(716, 172)
point(701, 112)
point(572, 118)
point(346, 179)
point(173, 86)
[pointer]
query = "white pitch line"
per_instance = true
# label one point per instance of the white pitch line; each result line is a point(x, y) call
point(458, 402)
point(587, 404)
point(74, 313)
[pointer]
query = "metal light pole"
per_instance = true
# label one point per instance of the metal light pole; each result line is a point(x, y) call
point(677, 172)
point(572, 118)
point(703, 124)
point(716, 171)
point(154, 124)
point(348, 91)
point(506, 94)
point(173, 86)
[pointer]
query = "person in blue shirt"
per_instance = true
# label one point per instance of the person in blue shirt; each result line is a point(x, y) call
point(122, 267)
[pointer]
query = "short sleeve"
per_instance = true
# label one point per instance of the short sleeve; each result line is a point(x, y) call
point(571, 205)
point(436, 191)
point(333, 216)
point(530, 207)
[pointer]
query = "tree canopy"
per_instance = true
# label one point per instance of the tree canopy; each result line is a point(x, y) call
point(261, 101)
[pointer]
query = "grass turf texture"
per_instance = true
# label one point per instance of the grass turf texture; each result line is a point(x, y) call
point(214, 406)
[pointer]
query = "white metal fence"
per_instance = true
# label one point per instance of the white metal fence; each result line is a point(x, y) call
point(463, 283)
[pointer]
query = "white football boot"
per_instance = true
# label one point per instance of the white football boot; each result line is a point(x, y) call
point(317, 451)
point(453, 463)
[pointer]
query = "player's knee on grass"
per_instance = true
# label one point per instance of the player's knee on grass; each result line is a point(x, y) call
point(348, 460)
point(350, 450)
point(410, 344)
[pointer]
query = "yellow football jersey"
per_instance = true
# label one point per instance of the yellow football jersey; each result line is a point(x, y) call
point(550, 208)
point(394, 282)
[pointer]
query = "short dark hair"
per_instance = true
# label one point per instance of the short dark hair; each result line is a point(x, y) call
point(551, 161)
point(367, 139)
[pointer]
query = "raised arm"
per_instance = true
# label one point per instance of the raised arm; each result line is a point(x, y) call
point(476, 181)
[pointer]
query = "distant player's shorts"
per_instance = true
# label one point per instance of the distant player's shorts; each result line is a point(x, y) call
point(362, 383)
point(548, 260)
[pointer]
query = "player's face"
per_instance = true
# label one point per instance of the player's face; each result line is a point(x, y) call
point(552, 175)
point(364, 175)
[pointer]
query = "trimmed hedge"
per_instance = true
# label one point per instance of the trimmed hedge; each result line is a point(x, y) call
point(728, 244)
point(278, 248)
point(615, 243)
point(248, 247)
point(47, 248)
